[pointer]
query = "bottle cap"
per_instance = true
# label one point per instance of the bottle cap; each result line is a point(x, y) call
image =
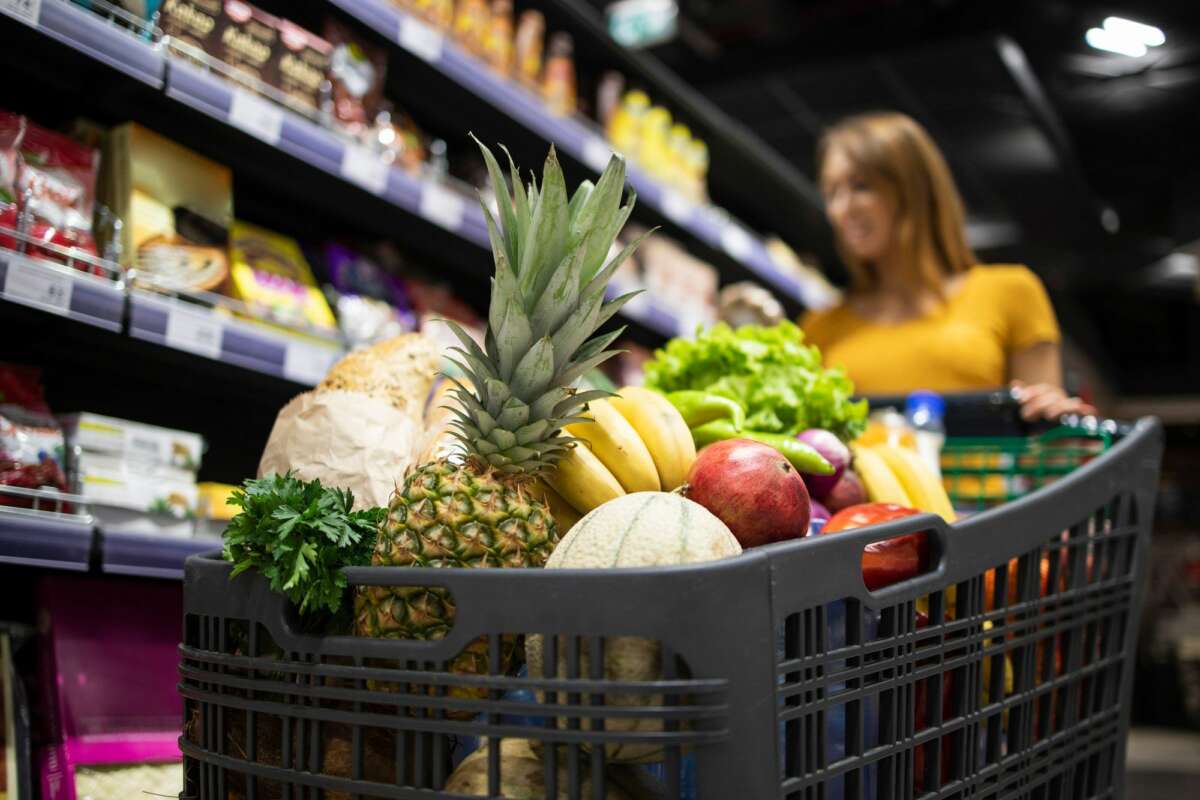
point(924, 399)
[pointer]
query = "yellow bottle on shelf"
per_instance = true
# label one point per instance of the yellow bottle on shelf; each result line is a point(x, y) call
point(697, 170)
point(653, 155)
point(625, 127)
point(678, 143)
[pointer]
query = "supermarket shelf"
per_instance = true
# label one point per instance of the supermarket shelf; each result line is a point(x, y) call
point(580, 140)
point(46, 534)
point(61, 290)
point(149, 555)
point(102, 39)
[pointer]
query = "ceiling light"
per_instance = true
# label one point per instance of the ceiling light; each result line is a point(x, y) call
point(1135, 31)
point(1103, 39)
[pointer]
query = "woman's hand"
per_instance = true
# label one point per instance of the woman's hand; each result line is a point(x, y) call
point(1047, 401)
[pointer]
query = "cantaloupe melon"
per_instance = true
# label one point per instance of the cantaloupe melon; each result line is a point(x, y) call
point(522, 775)
point(644, 529)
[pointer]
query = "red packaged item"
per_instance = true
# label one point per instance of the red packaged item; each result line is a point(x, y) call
point(31, 440)
point(53, 179)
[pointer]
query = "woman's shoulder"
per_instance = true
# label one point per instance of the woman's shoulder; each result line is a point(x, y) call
point(821, 326)
point(1007, 278)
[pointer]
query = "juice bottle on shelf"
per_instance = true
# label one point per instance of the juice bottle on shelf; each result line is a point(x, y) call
point(438, 13)
point(697, 169)
point(608, 97)
point(678, 141)
point(498, 43)
point(527, 48)
point(652, 145)
point(558, 81)
point(625, 126)
point(471, 25)
point(924, 411)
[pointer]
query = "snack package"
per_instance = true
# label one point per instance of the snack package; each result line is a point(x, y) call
point(269, 273)
point(300, 65)
point(231, 31)
point(402, 141)
point(31, 441)
point(50, 177)
point(356, 74)
point(371, 304)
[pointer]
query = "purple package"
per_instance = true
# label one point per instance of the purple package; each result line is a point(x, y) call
point(371, 303)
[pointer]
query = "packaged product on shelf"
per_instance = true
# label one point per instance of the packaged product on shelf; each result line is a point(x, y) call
point(32, 446)
point(371, 304)
point(134, 485)
point(50, 179)
point(471, 23)
point(356, 73)
point(498, 42)
point(231, 31)
point(679, 142)
point(822, 293)
point(625, 126)
point(299, 66)
point(558, 79)
point(684, 283)
point(402, 141)
point(268, 272)
point(652, 152)
point(133, 441)
point(608, 98)
point(697, 169)
point(439, 13)
point(527, 49)
point(176, 207)
point(747, 303)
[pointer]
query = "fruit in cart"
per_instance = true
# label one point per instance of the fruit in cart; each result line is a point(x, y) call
point(547, 302)
point(662, 430)
point(848, 491)
point(833, 450)
point(753, 489)
point(521, 775)
point(643, 529)
point(565, 515)
point(891, 560)
point(924, 489)
point(615, 442)
point(878, 479)
point(582, 480)
point(803, 457)
point(819, 512)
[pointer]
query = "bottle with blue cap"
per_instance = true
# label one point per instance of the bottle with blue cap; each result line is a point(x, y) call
point(925, 411)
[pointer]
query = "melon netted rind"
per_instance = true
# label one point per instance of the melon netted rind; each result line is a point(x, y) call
point(643, 529)
point(522, 775)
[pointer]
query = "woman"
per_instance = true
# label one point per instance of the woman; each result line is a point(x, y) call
point(921, 312)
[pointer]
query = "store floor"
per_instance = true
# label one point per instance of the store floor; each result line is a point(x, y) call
point(1162, 764)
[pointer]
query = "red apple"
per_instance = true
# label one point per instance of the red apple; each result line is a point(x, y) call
point(848, 491)
point(891, 560)
point(753, 489)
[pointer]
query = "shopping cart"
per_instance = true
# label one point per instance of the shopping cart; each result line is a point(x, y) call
point(1002, 672)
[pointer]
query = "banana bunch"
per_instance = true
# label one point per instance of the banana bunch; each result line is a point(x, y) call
point(894, 474)
point(633, 442)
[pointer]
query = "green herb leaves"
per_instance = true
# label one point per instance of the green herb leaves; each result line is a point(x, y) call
point(299, 535)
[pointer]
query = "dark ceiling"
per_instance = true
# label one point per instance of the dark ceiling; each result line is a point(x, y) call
point(1082, 164)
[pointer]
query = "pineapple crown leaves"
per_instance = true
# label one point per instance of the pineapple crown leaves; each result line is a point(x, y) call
point(548, 299)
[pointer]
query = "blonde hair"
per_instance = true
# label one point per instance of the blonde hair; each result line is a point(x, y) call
point(898, 157)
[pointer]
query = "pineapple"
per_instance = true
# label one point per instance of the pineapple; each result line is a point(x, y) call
point(547, 301)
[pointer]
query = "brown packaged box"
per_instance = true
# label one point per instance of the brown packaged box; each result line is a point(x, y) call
point(300, 65)
point(230, 31)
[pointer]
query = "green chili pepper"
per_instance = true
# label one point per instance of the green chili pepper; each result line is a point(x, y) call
point(698, 408)
point(803, 457)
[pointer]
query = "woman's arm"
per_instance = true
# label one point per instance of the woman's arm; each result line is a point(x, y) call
point(1036, 373)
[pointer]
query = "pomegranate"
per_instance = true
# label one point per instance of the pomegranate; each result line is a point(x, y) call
point(753, 489)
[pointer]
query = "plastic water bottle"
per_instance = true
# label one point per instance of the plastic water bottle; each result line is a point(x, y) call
point(925, 411)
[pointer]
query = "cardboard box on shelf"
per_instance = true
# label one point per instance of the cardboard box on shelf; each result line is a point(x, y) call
point(135, 485)
point(133, 441)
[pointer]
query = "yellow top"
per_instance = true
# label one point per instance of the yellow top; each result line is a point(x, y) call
point(965, 345)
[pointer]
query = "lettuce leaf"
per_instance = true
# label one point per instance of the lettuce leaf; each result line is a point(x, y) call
point(777, 378)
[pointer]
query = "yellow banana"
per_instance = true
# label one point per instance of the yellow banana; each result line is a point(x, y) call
point(919, 482)
point(582, 480)
point(564, 514)
point(881, 485)
point(618, 446)
point(662, 430)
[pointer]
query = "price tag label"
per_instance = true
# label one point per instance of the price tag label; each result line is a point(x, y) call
point(441, 206)
point(596, 153)
point(40, 286)
point(420, 39)
point(736, 242)
point(365, 167)
point(676, 207)
point(26, 11)
point(307, 363)
point(256, 115)
point(196, 332)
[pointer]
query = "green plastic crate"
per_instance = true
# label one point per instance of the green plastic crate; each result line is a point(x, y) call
point(981, 472)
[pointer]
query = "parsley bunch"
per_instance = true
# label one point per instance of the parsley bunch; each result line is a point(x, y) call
point(299, 535)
